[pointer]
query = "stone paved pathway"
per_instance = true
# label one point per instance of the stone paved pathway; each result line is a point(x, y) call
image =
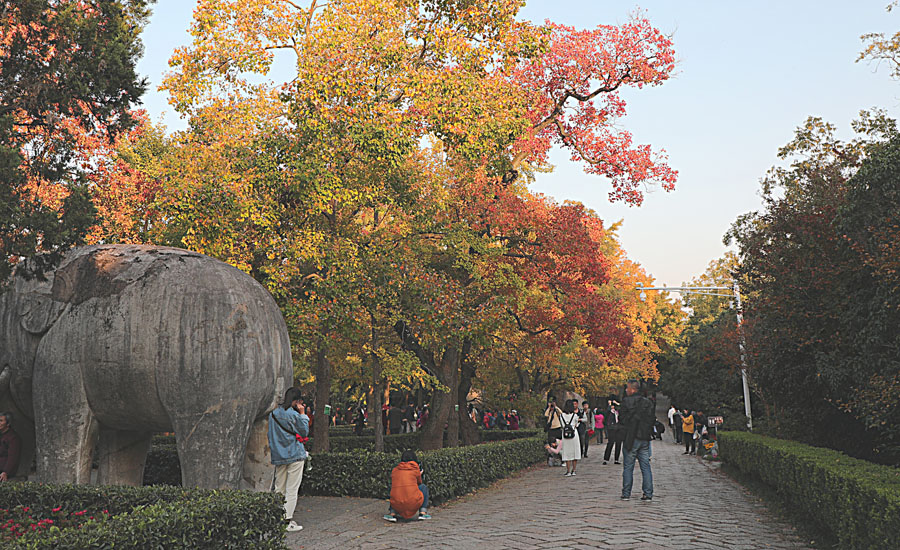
point(694, 507)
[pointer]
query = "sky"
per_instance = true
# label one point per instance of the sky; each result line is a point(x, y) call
point(748, 74)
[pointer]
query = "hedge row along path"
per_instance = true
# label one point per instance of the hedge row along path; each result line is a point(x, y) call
point(694, 507)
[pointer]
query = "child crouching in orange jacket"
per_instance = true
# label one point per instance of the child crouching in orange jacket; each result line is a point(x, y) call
point(409, 496)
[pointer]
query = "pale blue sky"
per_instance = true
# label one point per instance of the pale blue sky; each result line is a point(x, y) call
point(748, 74)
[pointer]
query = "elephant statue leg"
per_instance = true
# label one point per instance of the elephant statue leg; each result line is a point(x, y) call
point(67, 430)
point(211, 445)
point(122, 455)
point(258, 471)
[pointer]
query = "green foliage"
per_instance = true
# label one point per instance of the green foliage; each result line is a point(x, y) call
point(449, 472)
point(145, 517)
point(163, 467)
point(703, 371)
point(857, 501)
point(819, 266)
point(68, 71)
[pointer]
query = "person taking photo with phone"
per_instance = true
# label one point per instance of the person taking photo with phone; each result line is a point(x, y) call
point(288, 430)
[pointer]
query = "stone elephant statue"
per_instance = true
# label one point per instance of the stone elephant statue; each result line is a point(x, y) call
point(122, 341)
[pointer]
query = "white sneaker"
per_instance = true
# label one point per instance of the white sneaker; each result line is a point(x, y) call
point(293, 527)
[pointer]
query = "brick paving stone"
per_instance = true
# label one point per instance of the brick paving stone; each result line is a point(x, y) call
point(694, 507)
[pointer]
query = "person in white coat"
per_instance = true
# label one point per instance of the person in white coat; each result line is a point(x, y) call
point(571, 444)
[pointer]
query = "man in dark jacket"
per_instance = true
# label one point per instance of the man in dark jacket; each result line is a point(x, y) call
point(676, 423)
point(637, 416)
point(395, 419)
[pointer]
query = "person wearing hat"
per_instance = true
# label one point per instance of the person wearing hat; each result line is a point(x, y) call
point(513, 420)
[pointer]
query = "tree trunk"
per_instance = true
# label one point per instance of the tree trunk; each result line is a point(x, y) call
point(468, 430)
point(453, 397)
point(377, 393)
point(432, 434)
point(323, 394)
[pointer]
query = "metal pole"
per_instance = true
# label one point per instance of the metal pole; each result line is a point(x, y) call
point(740, 323)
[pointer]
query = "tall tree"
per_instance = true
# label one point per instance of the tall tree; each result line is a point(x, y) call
point(68, 68)
point(816, 305)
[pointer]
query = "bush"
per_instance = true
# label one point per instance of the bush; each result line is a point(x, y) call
point(506, 435)
point(149, 517)
point(448, 472)
point(857, 501)
point(163, 467)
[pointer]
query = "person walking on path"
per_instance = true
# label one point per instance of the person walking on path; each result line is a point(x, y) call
point(571, 445)
point(614, 433)
point(586, 425)
point(671, 416)
point(288, 429)
point(687, 427)
point(638, 417)
point(409, 496)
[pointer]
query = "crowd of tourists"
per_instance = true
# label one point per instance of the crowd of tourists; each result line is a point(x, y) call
point(495, 420)
point(691, 428)
point(627, 429)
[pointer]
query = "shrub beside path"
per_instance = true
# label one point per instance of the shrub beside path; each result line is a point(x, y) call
point(694, 507)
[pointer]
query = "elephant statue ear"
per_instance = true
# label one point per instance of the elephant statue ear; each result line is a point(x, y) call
point(39, 312)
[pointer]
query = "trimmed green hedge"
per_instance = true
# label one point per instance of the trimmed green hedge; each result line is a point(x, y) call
point(506, 435)
point(449, 473)
point(163, 467)
point(150, 517)
point(857, 501)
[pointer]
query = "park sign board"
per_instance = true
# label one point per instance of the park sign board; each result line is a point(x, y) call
point(714, 421)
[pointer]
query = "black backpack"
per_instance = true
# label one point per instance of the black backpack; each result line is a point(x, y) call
point(568, 432)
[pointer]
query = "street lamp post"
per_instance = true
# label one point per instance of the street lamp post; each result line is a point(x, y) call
point(735, 294)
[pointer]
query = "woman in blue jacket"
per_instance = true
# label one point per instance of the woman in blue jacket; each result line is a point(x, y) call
point(288, 429)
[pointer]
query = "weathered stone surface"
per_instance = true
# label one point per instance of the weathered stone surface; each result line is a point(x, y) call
point(124, 340)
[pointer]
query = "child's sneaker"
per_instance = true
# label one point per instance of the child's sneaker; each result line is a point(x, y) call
point(293, 527)
point(390, 517)
point(424, 516)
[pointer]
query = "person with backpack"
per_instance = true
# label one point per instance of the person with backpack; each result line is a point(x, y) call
point(288, 430)
point(638, 417)
point(571, 445)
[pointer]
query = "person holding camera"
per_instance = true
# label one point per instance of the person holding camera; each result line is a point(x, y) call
point(409, 496)
point(615, 433)
point(288, 430)
point(554, 425)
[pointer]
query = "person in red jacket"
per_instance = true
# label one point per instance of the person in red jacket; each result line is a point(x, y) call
point(10, 448)
point(409, 496)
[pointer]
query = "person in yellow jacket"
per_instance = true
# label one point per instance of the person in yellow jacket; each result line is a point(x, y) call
point(554, 421)
point(409, 496)
point(687, 426)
